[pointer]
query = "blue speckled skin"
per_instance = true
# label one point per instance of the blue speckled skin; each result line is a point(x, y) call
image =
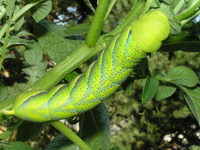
point(101, 79)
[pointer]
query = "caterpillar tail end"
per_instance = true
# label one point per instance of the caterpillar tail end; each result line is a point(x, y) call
point(8, 112)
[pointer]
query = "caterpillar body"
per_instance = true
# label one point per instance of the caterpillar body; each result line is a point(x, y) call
point(101, 79)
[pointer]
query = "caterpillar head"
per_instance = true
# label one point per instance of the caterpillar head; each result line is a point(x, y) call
point(150, 30)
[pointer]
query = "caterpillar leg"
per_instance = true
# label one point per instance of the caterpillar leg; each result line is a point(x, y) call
point(8, 112)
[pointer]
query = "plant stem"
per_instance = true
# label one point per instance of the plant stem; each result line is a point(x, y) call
point(24, 9)
point(17, 16)
point(189, 12)
point(97, 23)
point(70, 134)
point(110, 8)
point(5, 42)
point(191, 17)
point(89, 5)
point(82, 53)
point(5, 135)
point(135, 11)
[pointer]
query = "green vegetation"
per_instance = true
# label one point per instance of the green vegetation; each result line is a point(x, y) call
point(160, 110)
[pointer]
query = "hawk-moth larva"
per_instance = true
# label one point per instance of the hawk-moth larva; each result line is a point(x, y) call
point(102, 78)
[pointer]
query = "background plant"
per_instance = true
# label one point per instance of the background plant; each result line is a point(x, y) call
point(37, 45)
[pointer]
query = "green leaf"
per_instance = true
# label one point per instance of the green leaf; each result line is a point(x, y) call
point(10, 129)
point(24, 133)
point(50, 27)
point(186, 46)
point(34, 56)
point(3, 91)
point(183, 112)
point(23, 33)
point(10, 56)
point(17, 146)
point(155, 4)
point(179, 6)
point(76, 30)
point(79, 29)
point(19, 23)
point(182, 75)
point(174, 23)
point(129, 88)
point(161, 75)
point(194, 147)
point(165, 91)
point(4, 143)
point(192, 97)
point(52, 42)
point(141, 69)
point(14, 40)
point(94, 130)
point(178, 37)
point(41, 10)
point(60, 142)
point(150, 89)
point(35, 72)
point(10, 6)
point(71, 76)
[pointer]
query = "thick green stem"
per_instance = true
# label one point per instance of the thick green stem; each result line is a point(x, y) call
point(70, 134)
point(82, 53)
point(97, 23)
point(135, 11)
point(189, 12)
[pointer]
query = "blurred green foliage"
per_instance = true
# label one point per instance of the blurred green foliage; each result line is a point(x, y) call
point(165, 124)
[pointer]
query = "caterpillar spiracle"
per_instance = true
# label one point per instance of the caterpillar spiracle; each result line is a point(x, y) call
point(101, 79)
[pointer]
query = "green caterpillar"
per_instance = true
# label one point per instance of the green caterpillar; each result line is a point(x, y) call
point(101, 79)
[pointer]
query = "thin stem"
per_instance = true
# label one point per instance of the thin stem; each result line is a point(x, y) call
point(97, 23)
point(189, 12)
point(90, 5)
point(110, 8)
point(70, 134)
point(17, 16)
point(191, 17)
point(5, 135)
point(147, 6)
point(5, 45)
point(24, 9)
